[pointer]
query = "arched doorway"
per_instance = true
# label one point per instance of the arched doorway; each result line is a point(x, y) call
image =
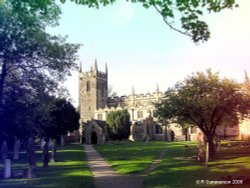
point(172, 136)
point(93, 138)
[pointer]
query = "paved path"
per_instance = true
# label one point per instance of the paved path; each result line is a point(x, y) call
point(105, 176)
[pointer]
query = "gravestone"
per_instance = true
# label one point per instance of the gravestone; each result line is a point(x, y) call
point(45, 156)
point(50, 143)
point(31, 152)
point(53, 151)
point(42, 142)
point(16, 149)
point(132, 130)
point(4, 150)
point(7, 168)
point(200, 140)
point(31, 172)
point(62, 140)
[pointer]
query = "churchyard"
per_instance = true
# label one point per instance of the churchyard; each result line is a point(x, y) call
point(70, 171)
point(177, 167)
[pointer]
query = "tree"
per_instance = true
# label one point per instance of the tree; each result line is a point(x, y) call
point(29, 57)
point(118, 124)
point(206, 101)
point(188, 12)
point(63, 118)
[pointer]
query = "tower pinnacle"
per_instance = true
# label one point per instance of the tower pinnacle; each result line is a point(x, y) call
point(95, 65)
point(133, 90)
point(106, 68)
point(157, 88)
point(80, 67)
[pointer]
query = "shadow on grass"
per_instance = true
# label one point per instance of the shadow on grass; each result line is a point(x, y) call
point(189, 173)
point(70, 171)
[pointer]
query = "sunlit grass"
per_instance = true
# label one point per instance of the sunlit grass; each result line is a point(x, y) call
point(127, 157)
point(70, 171)
point(179, 167)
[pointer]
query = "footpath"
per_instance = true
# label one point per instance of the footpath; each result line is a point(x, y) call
point(105, 176)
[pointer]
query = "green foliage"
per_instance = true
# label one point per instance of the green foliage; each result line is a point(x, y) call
point(118, 124)
point(206, 101)
point(62, 117)
point(189, 12)
point(186, 13)
point(32, 63)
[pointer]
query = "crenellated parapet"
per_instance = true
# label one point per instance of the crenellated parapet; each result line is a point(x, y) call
point(135, 100)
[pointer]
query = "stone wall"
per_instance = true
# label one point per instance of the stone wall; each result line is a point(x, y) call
point(93, 92)
point(95, 132)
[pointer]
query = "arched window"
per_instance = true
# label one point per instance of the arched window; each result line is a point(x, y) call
point(88, 86)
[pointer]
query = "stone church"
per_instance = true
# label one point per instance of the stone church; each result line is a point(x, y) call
point(94, 105)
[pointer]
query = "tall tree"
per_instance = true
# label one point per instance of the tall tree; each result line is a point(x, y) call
point(206, 101)
point(29, 57)
point(63, 118)
point(118, 124)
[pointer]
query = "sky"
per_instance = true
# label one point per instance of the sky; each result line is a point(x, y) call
point(141, 51)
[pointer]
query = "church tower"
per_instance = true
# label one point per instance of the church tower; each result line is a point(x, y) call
point(93, 91)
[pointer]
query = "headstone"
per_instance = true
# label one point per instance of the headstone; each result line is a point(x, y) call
point(31, 172)
point(218, 144)
point(7, 168)
point(31, 152)
point(132, 129)
point(53, 151)
point(50, 143)
point(45, 156)
point(16, 149)
point(62, 140)
point(4, 150)
point(42, 142)
point(200, 140)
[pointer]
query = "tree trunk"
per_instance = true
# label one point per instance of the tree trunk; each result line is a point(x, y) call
point(2, 80)
point(207, 154)
point(211, 148)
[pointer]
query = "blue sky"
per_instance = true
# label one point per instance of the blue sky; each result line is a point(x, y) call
point(141, 50)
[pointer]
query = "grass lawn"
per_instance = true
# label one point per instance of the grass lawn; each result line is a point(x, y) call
point(127, 157)
point(177, 168)
point(70, 171)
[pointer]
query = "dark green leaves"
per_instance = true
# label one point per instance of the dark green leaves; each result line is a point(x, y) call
point(118, 124)
point(204, 100)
